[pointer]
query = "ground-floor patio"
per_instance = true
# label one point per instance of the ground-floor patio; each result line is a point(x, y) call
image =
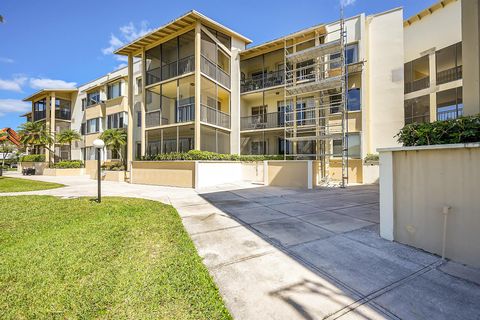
point(279, 253)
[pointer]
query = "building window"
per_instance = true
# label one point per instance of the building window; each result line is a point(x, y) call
point(139, 85)
point(62, 109)
point(417, 74)
point(417, 109)
point(138, 151)
point(449, 63)
point(353, 142)
point(351, 53)
point(115, 121)
point(39, 109)
point(93, 125)
point(93, 98)
point(258, 147)
point(139, 119)
point(84, 103)
point(259, 114)
point(449, 104)
point(336, 103)
point(353, 99)
point(114, 90)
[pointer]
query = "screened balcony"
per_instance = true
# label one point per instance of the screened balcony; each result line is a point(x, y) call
point(263, 71)
point(214, 62)
point(449, 63)
point(417, 74)
point(170, 59)
point(263, 121)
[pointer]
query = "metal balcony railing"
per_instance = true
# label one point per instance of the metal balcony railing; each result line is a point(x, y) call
point(449, 75)
point(263, 121)
point(170, 70)
point(266, 80)
point(418, 84)
point(213, 116)
point(63, 114)
point(209, 68)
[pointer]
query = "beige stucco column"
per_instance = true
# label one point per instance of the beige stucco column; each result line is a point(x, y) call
point(198, 80)
point(130, 112)
point(471, 56)
point(143, 137)
point(52, 123)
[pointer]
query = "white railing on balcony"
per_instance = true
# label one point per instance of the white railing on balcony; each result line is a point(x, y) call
point(215, 117)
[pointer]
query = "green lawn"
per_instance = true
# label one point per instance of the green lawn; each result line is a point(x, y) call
point(121, 259)
point(8, 184)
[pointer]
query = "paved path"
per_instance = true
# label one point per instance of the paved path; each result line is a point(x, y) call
point(279, 253)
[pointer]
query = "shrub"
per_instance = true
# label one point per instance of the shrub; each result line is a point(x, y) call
point(33, 158)
point(207, 155)
point(371, 157)
point(461, 130)
point(69, 164)
point(113, 166)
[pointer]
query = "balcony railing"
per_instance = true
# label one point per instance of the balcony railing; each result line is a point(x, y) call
point(449, 114)
point(418, 84)
point(185, 113)
point(266, 80)
point(215, 117)
point(449, 75)
point(39, 115)
point(213, 71)
point(173, 69)
point(263, 121)
point(63, 114)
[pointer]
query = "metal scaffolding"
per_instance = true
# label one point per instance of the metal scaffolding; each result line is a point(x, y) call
point(315, 99)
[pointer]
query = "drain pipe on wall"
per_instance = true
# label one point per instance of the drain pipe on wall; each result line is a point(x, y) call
point(445, 211)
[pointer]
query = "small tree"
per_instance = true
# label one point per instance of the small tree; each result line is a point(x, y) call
point(68, 137)
point(114, 140)
point(35, 134)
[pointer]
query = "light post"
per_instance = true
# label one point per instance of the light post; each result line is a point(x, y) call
point(99, 144)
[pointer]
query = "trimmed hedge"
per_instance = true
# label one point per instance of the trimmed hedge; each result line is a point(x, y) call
point(69, 164)
point(461, 130)
point(33, 158)
point(207, 155)
point(113, 166)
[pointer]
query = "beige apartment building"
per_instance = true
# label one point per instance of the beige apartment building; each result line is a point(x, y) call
point(333, 92)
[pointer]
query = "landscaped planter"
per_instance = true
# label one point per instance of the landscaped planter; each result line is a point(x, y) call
point(64, 172)
point(370, 171)
point(38, 166)
point(107, 175)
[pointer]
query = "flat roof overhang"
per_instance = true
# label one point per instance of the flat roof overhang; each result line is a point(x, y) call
point(426, 12)
point(166, 31)
point(42, 92)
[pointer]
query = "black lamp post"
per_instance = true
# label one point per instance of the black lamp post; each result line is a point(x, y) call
point(99, 144)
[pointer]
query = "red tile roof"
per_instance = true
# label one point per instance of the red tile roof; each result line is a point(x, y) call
point(12, 136)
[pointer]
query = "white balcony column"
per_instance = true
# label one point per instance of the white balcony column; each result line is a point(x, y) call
point(130, 112)
point(52, 123)
point(198, 80)
point(143, 136)
point(433, 84)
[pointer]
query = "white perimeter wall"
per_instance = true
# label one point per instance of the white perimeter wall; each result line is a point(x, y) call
point(384, 73)
point(209, 174)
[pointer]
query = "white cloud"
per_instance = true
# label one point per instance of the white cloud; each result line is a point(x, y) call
point(6, 60)
point(13, 85)
point(13, 105)
point(45, 83)
point(347, 3)
point(120, 66)
point(114, 44)
point(127, 33)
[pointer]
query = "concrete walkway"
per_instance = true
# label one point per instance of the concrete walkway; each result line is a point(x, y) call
point(279, 253)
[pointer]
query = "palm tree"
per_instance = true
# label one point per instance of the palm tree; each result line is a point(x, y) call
point(35, 134)
point(115, 139)
point(67, 137)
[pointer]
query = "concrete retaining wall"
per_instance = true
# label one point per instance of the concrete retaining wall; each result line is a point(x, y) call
point(253, 171)
point(417, 184)
point(68, 172)
point(286, 173)
point(212, 173)
point(39, 166)
point(164, 173)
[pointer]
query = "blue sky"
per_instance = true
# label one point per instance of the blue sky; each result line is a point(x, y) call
point(63, 43)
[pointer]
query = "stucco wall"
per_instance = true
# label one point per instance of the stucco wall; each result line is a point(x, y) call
point(164, 173)
point(354, 170)
point(253, 171)
point(212, 173)
point(288, 173)
point(424, 182)
point(68, 172)
point(39, 166)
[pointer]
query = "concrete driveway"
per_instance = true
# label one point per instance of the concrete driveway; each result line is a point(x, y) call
point(279, 253)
